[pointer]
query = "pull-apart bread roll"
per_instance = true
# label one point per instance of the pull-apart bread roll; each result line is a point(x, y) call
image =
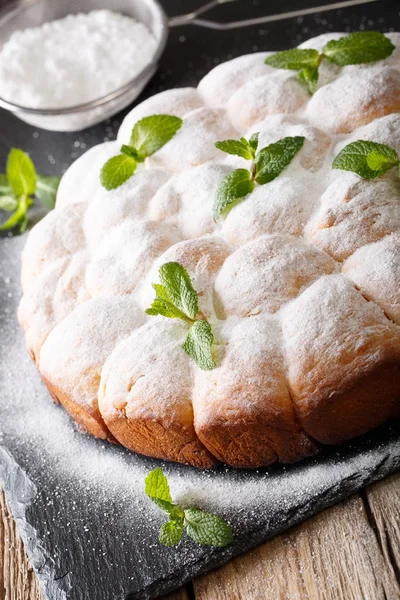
point(243, 410)
point(146, 395)
point(343, 371)
point(221, 283)
point(73, 355)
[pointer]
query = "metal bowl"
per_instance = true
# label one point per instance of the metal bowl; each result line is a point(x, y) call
point(33, 13)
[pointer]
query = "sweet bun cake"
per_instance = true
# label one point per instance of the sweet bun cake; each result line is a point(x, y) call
point(299, 280)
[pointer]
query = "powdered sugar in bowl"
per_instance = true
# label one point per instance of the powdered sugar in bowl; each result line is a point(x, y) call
point(109, 56)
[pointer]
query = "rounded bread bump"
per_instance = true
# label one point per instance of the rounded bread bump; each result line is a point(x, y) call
point(283, 206)
point(81, 180)
point(219, 85)
point(124, 256)
point(277, 92)
point(355, 212)
point(375, 269)
point(186, 200)
point(57, 236)
point(73, 355)
point(111, 208)
point(177, 102)
point(53, 296)
point(355, 98)
point(267, 272)
point(343, 358)
point(146, 392)
point(243, 412)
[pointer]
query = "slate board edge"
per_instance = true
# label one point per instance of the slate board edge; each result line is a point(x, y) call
point(12, 476)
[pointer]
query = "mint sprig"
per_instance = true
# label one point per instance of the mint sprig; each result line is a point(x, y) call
point(148, 135)
point(356, 48)
point(266, 165)
point(204, 528)
point(177, 299)
point(18, 186)
point(368, 159)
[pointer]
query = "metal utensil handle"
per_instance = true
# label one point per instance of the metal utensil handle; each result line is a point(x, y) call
point(192, 18)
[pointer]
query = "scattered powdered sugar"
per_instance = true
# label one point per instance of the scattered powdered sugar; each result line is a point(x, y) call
point(73, 60)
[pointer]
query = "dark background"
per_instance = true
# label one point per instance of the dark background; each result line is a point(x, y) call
point(191, 52)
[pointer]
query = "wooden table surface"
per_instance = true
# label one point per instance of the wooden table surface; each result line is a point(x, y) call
point(348, 552)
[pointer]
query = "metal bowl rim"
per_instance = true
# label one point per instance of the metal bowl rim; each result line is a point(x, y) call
point(46, 112)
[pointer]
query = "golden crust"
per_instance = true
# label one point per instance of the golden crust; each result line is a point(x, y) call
point(88, 418)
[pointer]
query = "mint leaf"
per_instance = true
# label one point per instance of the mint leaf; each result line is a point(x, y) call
point(178, 285)
point(253, 141)
point(5, 187)
point(8, 203)
point(198, 344)
point(238, 147)
point(165, 308)
point(207, 529)
point(378, 162)
point(152, 133)
point(19, 217)
point(231, 190)
point(116, 171)
point(368, 159)
point(163, 304)
point(358, 47)
point(294, 59)
point(171, 532)
point(156, 486)
point(273, 159)
point(46, 190)
point(310, 76)
point(21, 173)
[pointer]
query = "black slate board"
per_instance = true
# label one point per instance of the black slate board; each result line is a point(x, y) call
point(79, 504)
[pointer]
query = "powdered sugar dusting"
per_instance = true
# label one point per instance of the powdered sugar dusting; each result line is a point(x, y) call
point(276, 245)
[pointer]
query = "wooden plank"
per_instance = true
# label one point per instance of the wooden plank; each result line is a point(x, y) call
point(334, 556)
point(383, 500)
point(17, 580)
